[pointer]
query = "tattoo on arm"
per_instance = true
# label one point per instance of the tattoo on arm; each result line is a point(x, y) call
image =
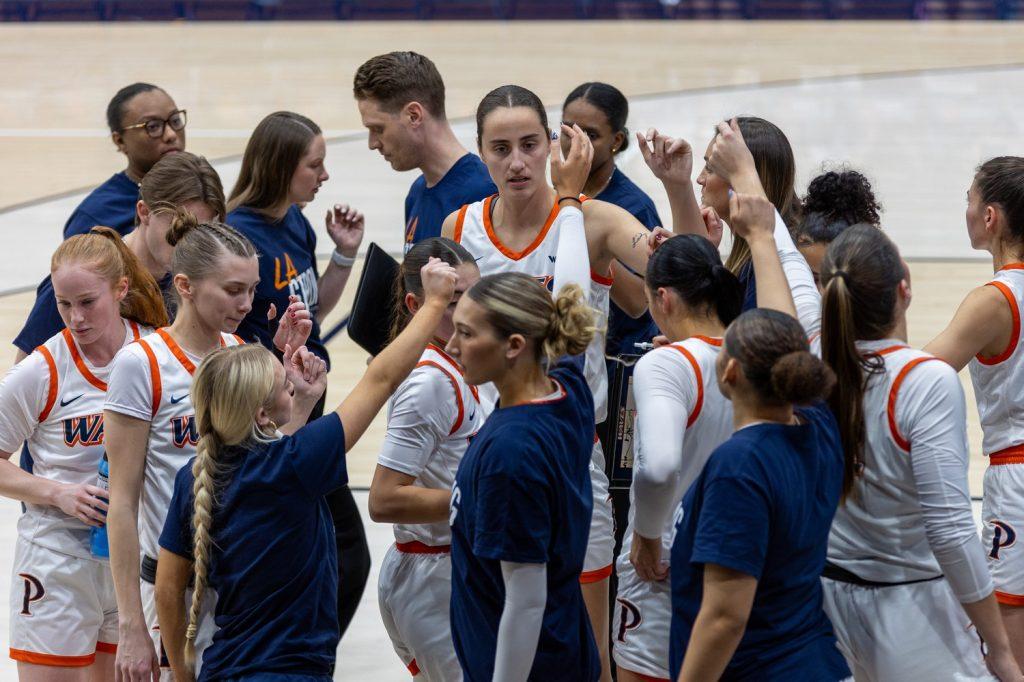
point(638, 238)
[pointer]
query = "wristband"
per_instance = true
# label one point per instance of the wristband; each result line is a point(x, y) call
point(569, 198)
point(341, 260)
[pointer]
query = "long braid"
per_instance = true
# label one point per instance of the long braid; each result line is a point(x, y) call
point(204, 472)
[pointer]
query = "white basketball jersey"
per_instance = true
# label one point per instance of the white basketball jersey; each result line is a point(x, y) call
point(709, 424)
point(879, 531)
point(67, 443)
point(999, 381)
point(473, 229)
point(173, 435)
point(438, 471)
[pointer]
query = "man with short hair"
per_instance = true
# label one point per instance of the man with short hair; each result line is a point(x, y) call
point(401, 101)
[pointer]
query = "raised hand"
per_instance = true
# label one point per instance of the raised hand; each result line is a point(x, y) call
point(306, 371)
point(569, 173)
point(345, 227)
point(713, 224)
point(751, 216)
point(439, 280)
point(295, 326)
point(656, 238)
point(669, 158)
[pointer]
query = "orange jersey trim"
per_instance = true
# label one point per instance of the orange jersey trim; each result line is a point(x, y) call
point(605, 280)
point(51, 395)
point(700, 385)
point(1012, 266)
point(135, 330)
point(715, 341)
point(1011, 455)
point(417, 547)
point(455, 366)
point(177, 352)
point(1015, 312)
point(507, 252)
point(460, 219)
point(1009, 599)
point(106, 648)
point(595, 576)
point(414, 668)
point(893, 394)
point(80, 363)
point(53, 659)
point(455, 387)
point(154, 374)
point(236, 337)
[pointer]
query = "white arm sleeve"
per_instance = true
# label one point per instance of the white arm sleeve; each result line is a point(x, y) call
point(931, 415)
point(526, 596)
point(572, 260)
point(806, 296)
point(23, 394)
point(665, 390)
point(130, 388)
point(420, 415)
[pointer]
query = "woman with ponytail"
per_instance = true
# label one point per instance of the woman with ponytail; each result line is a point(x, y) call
point(906, 576)
point(150, 421)
point(431, 418)
point(984, 336)
point(176, 185)
point(249, 515)
point(106, 300)
point(751, 541)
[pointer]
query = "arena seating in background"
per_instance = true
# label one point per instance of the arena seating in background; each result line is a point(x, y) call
point(126, 10)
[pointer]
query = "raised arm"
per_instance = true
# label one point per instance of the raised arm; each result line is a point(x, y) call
point(345, 228)
point(983, 324)
point(394, 363)
point(671, 161)
point(572, 259)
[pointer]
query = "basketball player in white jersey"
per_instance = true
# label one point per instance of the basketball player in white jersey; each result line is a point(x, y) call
point(682, 416)
point(517, 230)
point(984, 336)
point(63, 612)
point(151, 431)
point(431, 418)
point(906, 576)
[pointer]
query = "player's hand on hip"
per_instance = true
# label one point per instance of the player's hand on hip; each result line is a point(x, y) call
point(295, 326)
point(136, 659)
point(85, 502)
point(345, 227)
point(645, 555)
point(669, 158)
point(438, 280)
point(569, 173)
point(751, 217)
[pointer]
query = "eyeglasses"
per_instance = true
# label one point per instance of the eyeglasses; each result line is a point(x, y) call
point(155, 127)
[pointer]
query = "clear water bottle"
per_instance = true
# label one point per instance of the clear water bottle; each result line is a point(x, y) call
point(98, 541)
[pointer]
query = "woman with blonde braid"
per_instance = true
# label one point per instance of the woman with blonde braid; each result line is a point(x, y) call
point(263, 548)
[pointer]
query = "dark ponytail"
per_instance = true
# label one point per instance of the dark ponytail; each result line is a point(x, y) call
point(692, 267)
point(509, 97)
point(836, 200)
point(610, 101)
point(771, 348)
point(409, 280)
point(860, 275)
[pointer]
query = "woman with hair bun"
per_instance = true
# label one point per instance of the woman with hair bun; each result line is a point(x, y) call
point(835, 200)
point(750, 547)
point(107, 300)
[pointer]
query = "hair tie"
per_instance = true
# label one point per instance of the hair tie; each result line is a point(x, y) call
point(840, 273)
point(190, 632)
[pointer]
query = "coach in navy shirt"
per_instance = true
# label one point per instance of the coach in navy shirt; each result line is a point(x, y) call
point(401, 102)
point(751, 544)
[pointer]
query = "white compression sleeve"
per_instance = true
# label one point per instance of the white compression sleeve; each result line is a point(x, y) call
point(663, 403)
point(931, 414)
point(806, 297)
point(572, 260)
point(526, 596)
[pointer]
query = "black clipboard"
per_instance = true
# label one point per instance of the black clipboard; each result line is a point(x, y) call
point(372, 310)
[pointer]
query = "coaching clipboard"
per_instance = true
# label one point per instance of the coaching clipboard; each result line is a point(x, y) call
point(370, 321)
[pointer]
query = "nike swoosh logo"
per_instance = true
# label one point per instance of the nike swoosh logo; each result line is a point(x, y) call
point(551, 258)
point(477, 259)
point(175, 401)
point(472, 414)
point(65, 403)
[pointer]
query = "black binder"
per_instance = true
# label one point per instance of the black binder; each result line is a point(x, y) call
point(372, 310)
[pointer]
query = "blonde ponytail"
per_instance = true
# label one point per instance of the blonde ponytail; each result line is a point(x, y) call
point(572, 325)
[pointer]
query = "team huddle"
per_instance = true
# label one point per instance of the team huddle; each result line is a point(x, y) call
point(799, 506)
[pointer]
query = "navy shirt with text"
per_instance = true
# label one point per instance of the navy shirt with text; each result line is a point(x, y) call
point(426, 207)
point(522, 494)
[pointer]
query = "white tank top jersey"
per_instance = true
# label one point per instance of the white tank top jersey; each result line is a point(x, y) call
point(473, 229)
point(53, 401)
point(431, 418)
point(151, 380)
point(684, 373)
point(910, 503)
point(999, 381)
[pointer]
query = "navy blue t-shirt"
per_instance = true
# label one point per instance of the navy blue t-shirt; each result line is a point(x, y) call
point(623, 330)
point(763, 506)
point(287, 254)
point(273, 567)
point(749, 284)
point(426, 207)
point(522, 494)
point(112, 204)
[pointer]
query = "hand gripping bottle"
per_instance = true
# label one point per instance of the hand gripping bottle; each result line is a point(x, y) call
point(98, 543)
